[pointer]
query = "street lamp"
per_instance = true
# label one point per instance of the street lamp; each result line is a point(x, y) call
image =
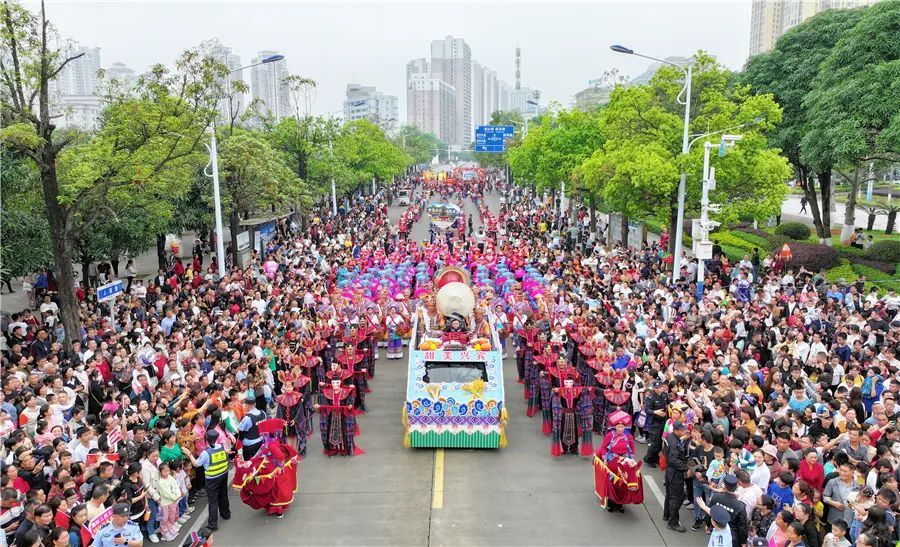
point(686, 91)
point(214, 163)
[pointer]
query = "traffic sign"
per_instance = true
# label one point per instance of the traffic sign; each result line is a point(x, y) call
point(109, 291)
point(492, 138)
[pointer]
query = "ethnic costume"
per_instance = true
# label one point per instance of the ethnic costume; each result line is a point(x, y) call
point(294, 406)
point(350, 364)
point(571, 409)
point(617, 476)
point(394, 324)
point(526, 350)
point(269, 479)
point(337, 422)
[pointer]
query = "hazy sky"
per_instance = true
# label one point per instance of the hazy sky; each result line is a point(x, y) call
point(564, 44)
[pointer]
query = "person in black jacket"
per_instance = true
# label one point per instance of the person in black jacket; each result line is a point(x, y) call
point(675, 449)
point(735, 507)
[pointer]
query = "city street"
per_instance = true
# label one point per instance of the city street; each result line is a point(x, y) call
point(393, 495)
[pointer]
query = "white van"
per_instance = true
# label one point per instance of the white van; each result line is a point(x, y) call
point(403, 197)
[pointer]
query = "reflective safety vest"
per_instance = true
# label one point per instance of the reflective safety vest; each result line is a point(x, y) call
point(218, 462)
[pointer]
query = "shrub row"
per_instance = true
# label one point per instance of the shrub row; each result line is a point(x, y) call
point(878, 278)
point(794, 230)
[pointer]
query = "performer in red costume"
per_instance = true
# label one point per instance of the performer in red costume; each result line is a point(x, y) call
point(269, 479)
point(572, 416)
point(337, 421)
point(617, 476)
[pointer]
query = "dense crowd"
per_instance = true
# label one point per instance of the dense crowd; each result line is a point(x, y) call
point(773, 394)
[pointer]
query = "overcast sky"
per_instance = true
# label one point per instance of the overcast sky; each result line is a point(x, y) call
point(564, 44)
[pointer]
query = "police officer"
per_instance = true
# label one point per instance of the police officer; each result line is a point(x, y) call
point(120, 531)
point(675, 446)
point(249, 429)
point(735, 507)
point(655, 404)
point(214, 461)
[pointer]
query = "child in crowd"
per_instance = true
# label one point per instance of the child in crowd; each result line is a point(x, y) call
point(838, 535)
point(781, 491)
point(169, 496)
point(184, 484)
point(717, 469)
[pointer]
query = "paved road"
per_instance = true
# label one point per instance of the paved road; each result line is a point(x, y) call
point(515, 496)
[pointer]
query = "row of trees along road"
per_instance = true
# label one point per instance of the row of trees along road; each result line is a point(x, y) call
point(73, 195)
point(627, 154)
point(837, 77)
point(825, 100)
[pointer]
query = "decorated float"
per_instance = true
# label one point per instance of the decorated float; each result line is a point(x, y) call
point(454, 393)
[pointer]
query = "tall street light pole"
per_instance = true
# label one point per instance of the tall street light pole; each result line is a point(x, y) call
point(686, 92)
point(217, 196)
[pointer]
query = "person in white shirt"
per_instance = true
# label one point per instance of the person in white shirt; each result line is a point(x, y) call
point(801, 349)
point(761, 474)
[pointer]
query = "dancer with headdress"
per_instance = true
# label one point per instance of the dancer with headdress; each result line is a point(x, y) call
point(337, 420)
point(617, 475)
point(269, 479)
point(394, 323)
point(572, 417)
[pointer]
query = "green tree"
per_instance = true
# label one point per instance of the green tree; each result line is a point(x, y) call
point(254, 177)
point(854, 103)
point(421, 147)
point(637, 170)
point(147, 138)
point(362, 151)
point(25, 246)
point(789, 72)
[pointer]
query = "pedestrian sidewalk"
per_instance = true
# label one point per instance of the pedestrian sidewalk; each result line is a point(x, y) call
point(146, 264)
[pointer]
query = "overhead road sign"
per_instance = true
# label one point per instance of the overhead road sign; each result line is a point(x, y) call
point(492, 138)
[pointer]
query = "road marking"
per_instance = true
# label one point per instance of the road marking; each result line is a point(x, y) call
point(657, 493)
point(199, 522)
point(437, 501)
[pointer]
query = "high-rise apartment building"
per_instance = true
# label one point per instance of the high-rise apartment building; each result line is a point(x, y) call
point(769, 19)
point(451, 62)
point(431, 106)
point(479, 108)
point(267, 83)
point(491, 93)
point(473, 90)
point(365, 103)
point(122, 73)
point(235, 102)
point(79, 77)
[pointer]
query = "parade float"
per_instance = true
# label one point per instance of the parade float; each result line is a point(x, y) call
point(454, 393)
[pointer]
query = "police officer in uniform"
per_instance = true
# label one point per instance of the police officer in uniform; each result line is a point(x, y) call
point(655, 404)
point(249, 429)
point(675, 446)
point(121, 531)
point(735, 507)
point(214, 461)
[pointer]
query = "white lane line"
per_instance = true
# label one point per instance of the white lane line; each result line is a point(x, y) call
point(199, 522)
point(657, 493)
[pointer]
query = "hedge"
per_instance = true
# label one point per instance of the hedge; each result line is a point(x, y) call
point(734, 254)
point(794, 230)
point(758, 241)
point(878, 278)
point(813, 256)
point(861, 257)
point(844, 271)
point(886, 250)
point(732, 240)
